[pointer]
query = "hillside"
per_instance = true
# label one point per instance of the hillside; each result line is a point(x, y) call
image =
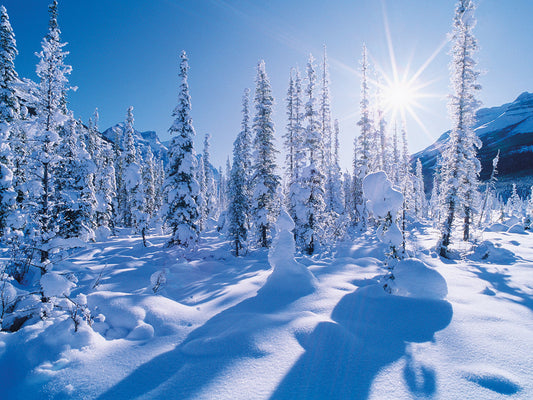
point(508, 128)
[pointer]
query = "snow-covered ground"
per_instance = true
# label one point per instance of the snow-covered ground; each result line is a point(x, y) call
point(220, 328)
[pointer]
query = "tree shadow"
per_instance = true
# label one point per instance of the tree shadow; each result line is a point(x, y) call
point(223, 340)
point(370, 331)
point(500, 281)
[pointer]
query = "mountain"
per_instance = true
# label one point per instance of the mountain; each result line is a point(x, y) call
point(142, 139)
point(507, 128)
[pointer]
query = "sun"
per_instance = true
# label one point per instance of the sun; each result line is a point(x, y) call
point(399, 96)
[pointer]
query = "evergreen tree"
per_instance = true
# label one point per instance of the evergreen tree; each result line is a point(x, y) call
point(239, 187)
point(9, 114)
point(74, 197)
point(362, 145)
point(514, 203)
point(181, 187)
point(326, 132)
point(210, 189)
point(131, 194)
point(51, 115)
point(9, 102)
point(336, 197)
point(202, 194)
point(365, 123)
point(312, 180)
point(419, 194)
point(265, 179)
point(460, 165)
point(105, 191)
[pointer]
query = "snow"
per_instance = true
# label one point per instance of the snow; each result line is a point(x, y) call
point(277, 325)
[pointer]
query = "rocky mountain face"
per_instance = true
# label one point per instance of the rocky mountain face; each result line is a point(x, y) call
point(507, 128)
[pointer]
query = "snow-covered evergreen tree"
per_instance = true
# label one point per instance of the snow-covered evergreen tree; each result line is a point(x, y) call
point(460, 165)
point(51, 115)
point(131, 190)
point(326, 132)
point(181, 187)
point(105, 191)
point(365, 123)
point(419, 194)
point(74, 195)
point(336, 197)
point(265, 178)
point(362, 145)
point(239, 187)
point(514, 203)
point(209, 179)
point(312, 181)
point(9, 102)
point(9, 114)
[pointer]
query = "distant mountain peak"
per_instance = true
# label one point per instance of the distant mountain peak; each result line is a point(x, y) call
point(507, 128)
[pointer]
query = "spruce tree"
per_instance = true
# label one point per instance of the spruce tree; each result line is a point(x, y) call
point(265, 179)
point(362, 145)
point(74, 198)
point(326, 132)
point(9, 102)
point(131, 190)
point(460, 165)
point(181, 187)
point(51, 116)
point(105, 191)
point(239, 188)
point(9, 114)
point(312, 180)
point(209, 181)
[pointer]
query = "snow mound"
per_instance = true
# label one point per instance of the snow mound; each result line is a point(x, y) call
point(517, 228)
point(288, 275)
point(497, 227)
point(415, 279)
point(55, 285)
point(488, 252)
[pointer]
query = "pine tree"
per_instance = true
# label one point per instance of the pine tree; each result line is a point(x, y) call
point(131, 194)
point(181, 187)
point(239, 187)
point(460, 165)
point(74, 198)
point(362, 145)
point(210, 190)
point(514, 203)
point(312, 180)
point(9, 114)
point(365, 122)
point(419, 194)
point(9, 103)
point(265, 179)
point(51, 115)
point(326, 133)
point(105, 191)
point(337, 191)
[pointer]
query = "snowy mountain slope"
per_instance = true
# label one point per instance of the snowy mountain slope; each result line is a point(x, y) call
point(216, 329)
point(508, 128)
point(148, 138)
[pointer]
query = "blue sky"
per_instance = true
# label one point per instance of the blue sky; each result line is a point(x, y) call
point(126, 53)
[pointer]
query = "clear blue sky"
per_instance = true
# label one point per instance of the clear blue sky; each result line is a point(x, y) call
point(125, 52)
